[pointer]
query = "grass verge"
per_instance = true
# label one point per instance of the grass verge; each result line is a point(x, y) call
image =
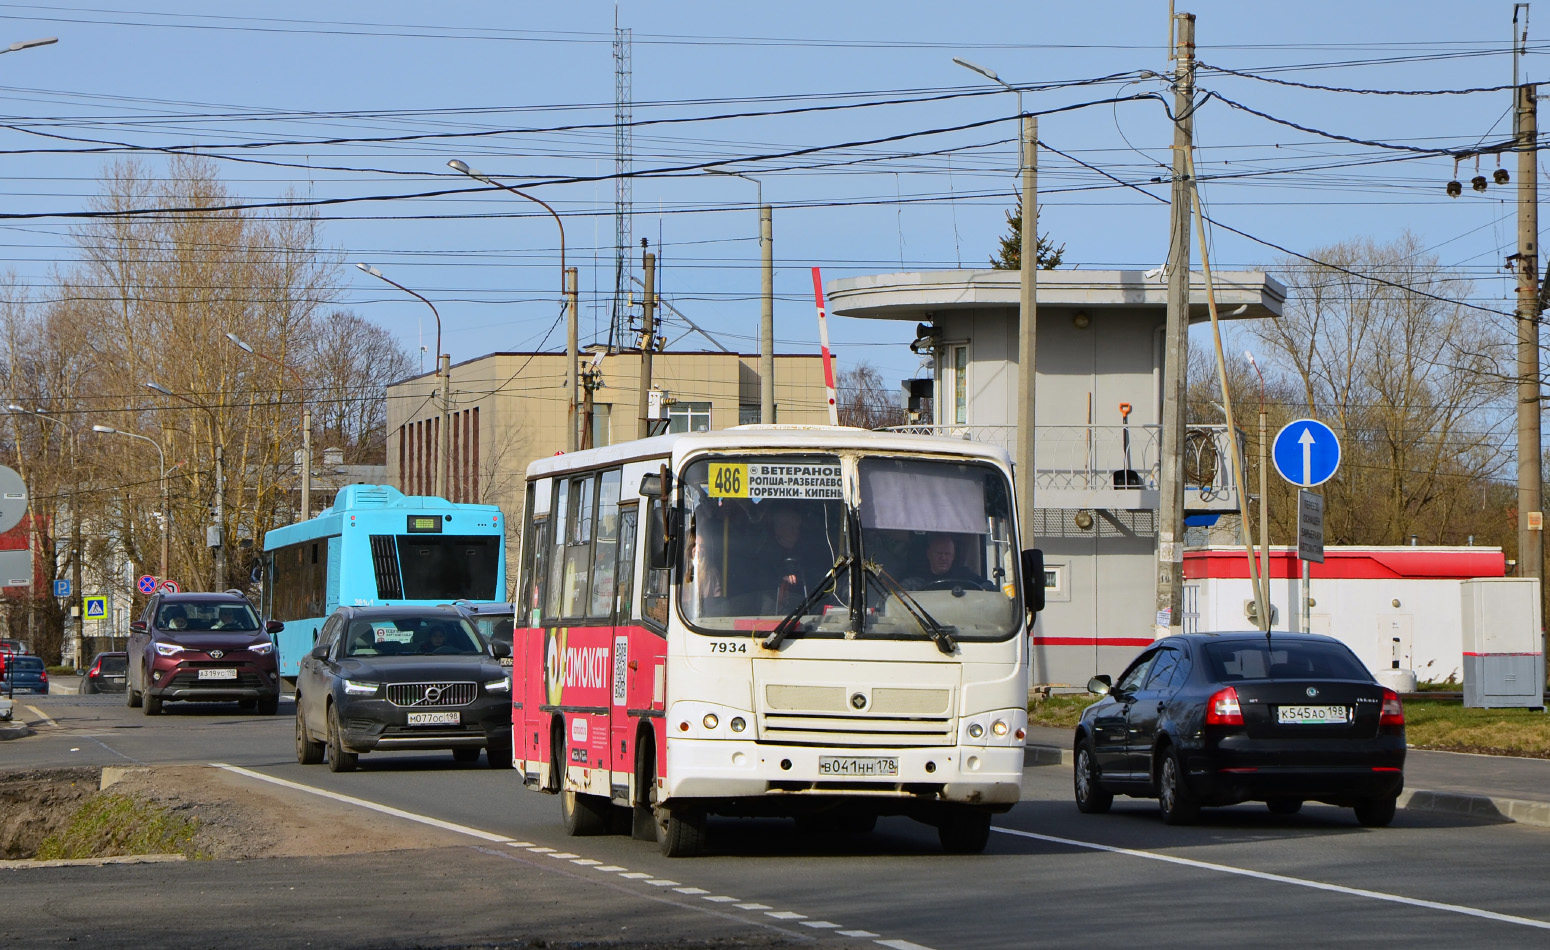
point(108, 825)
point(1440, 724)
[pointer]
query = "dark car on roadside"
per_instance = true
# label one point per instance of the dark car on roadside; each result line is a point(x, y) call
point(386, 678)
point(202, 648)
point(105, 673)
point(1221, 718)
point(24, 671)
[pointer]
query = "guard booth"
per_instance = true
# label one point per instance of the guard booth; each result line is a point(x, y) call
point(1504, 662)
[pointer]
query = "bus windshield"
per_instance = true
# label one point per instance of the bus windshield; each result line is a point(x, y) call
point(770, 538)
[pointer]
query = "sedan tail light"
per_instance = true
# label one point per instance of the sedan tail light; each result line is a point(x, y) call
point(1222, 708)
point(1393, 713)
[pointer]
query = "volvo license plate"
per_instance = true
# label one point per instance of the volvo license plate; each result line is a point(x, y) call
point(857, 766)
point(435, 719)
point(1313, 715)
point(218, 674)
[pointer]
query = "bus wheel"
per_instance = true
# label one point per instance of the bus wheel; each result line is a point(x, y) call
point(584, 814)
point(680, 831)
point(964, 830)
point(643, 819)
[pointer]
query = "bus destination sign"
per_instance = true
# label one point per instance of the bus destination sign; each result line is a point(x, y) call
point(425, 524)
point(769, 480)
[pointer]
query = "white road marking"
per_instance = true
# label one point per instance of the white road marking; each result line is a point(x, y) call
point(611, 868)
point(753, 907)
point(585, 862)
point(855, 933)
point(1284, 879)
point(718, 898)
point(520, 844)
point(541, 850)
point(384, 809)
point(635, 875)
point(691, 890)
point(901, 945)
point(563, 855)
point(43, 716)
point(785, 915)
point(820, 924)
point(662, 882)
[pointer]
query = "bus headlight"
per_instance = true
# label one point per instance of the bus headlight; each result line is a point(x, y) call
point(710, 721)
point(998, 727)
point(976, 730)
point(737, 724)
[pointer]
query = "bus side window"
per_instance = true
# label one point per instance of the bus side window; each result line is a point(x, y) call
point(557, 548)
point(531, 600)
point(658, 580)
point(606, 547)
point(624, 602)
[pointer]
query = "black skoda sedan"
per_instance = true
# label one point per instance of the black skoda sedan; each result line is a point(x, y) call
point(1222, 718)
point(382, 678)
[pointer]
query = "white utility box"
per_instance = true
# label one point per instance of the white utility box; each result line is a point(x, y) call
point(1504, 661)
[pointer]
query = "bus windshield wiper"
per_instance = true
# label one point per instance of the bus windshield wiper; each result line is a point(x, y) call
point(940, 634)
point(789, 624)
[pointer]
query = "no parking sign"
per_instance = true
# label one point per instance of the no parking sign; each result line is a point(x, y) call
point(146, 584)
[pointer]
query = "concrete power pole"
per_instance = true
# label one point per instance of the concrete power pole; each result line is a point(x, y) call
point(444, 431)
point(1531, 535)
point(1170, 521)
point(572, 353)
point(647, 344)
point(767, 316)
point(1028, 328)
point(217, 532)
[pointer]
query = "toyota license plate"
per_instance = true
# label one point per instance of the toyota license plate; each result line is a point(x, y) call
point(857, 766)
point(218, 674)
point(1313, 715)
point(435, 719)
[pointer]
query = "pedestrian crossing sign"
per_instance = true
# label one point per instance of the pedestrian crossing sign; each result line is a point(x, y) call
point(96, 608)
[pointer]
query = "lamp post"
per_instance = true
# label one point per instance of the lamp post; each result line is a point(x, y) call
point(166, 511)
point(767, 297)
point(75, 526)
point(443, 372)
point(213, 536)
point(306, 423)
point(567, 291)
point(1027, 309)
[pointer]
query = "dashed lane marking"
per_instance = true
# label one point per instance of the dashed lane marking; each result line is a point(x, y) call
point(820, 924)
point(718, 898)
point(691, 890)
point(855, 933)
point(662, 882)
point(753, 907)
point(636, 875)
point(1284, 879)
point(901, 945)
point(785, 915)
point(610, 868)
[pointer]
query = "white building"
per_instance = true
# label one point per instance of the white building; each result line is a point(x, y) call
point(1098, 388)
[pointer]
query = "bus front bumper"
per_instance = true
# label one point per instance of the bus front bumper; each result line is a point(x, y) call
point(720, 768)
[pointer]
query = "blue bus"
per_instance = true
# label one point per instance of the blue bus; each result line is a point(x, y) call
point(377, 546)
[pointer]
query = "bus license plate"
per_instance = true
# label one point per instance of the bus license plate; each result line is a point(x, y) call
point(855, 765)
point(434, 719)
point(1312, 715)
point(218, 674)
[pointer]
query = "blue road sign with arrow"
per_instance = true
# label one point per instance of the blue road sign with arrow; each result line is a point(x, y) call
point(1306, 453)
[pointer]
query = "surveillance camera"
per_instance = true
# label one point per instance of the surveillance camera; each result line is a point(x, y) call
point(1153, 274)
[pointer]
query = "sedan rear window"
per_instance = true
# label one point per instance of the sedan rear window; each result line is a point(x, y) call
point(115, 664)
point(1304, 660)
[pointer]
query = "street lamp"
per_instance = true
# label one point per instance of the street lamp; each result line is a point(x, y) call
point(166, 512)
point(767, 300)
point(75, 523)
point(213, 536)
point(567, 291)
point(306, 421)
point(443, 372)
point(1027, 306)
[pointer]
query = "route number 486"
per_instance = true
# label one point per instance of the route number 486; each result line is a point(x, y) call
point(728, 481)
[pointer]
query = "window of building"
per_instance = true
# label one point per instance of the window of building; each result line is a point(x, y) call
point(748, 415)
point(688, 417)
point(602, 416)
point(953, 385)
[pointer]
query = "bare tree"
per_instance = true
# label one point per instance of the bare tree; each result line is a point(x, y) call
point(864, 400)
point(353, 361)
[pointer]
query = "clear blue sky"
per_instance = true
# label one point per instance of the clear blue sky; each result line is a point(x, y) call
point(161, 74)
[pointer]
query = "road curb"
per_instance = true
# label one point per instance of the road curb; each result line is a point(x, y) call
point(14, 730)
point(1488, 807)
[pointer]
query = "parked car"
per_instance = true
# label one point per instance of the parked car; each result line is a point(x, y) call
point(24, 672)
point(203, 647)
point(494, 621)
point(1217, 719)
point(14, 646)
point(385, 678)
point(105, 673)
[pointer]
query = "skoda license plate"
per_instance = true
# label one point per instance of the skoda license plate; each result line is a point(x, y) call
point(857, 766)
point(218, 674)
point(1313, 715)
point(434, 719)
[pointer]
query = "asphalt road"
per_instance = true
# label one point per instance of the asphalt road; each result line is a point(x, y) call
point(1051, 876)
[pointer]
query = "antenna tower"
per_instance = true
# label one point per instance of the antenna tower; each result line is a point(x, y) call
point(623, 154)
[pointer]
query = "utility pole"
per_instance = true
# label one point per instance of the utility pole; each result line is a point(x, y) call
point(1027, 326)
point(767, 315)
point(444, 434)
point(647, 344)
point(1170, 521)
point(572, 353)
point(1531, 535)
point(217, 541)
point(78, 605)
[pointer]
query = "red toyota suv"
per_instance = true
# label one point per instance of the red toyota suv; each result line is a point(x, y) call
point(203, 647)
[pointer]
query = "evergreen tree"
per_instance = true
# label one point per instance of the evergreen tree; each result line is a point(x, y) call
point(1010, 256)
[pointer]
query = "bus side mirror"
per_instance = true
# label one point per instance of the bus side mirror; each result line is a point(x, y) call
point(1033, 580)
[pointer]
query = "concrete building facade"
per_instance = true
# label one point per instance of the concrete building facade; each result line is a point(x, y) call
point(1098, 408)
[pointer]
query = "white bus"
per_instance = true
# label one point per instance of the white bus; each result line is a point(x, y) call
point(823, 623)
